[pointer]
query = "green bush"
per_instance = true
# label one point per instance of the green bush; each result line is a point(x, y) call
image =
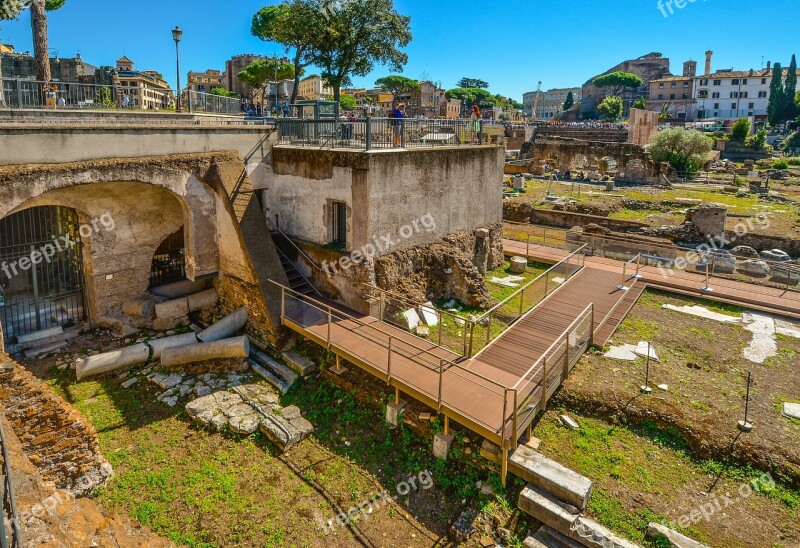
point(792, 141)
point(780, 164)
point(740, 130)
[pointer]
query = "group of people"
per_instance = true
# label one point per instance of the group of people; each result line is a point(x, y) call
point(257, 110)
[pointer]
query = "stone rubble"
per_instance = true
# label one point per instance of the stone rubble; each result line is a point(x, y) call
point(248, 408)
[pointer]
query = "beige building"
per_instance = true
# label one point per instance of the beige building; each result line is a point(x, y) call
point(234, 66)
point(144, 89)
point(203, 82)
point(313, 88)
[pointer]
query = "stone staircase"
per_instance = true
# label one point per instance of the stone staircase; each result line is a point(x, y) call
point(297, 281)
point(272, 371)
point(556, 496)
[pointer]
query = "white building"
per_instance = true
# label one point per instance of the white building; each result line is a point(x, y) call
point(730, 95)
point(551, 102)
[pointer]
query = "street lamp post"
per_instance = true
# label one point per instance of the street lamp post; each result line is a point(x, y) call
point(177, 34)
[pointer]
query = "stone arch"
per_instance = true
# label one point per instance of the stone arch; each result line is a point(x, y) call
point(197, 201)
point(635, 170)
point(124, 224)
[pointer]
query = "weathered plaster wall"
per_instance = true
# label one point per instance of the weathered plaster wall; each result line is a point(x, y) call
point(442, 190)
point(117, 257)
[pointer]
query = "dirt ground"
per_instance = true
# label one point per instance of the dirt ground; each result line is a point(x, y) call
point(203, 488)
point(702, 364)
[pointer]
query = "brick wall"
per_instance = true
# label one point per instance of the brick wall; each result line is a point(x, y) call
point(57, 438)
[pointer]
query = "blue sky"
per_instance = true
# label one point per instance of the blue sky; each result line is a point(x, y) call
point(512, 44)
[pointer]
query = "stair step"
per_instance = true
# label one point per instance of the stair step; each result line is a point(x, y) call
point(548, 475)
point(546, 508)
point(281, 385)
point(551, 538)
point(302, 365)
point(281, 371)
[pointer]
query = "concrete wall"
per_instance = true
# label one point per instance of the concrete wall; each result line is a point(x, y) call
point(38, 144)
point(412, 197)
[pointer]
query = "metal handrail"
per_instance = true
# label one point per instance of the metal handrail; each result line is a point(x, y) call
point(558, 340)
point(9, 502)
point(523, 288)
point(330, 310)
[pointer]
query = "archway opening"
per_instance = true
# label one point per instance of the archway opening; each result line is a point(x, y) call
point(41, 270)
point(169, 260)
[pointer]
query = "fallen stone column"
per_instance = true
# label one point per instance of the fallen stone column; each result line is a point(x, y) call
point(176, 308)
point(236, 347)
point(204, 299)
point(139, 308)
point(180, 289)
point(111, 361)
point(226, 327)
point(159, 345)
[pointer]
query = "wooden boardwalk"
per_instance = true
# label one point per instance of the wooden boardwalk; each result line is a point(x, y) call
point(497, 393)
point(768, 299)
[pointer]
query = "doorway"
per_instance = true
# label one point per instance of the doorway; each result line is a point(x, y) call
point(41, 270)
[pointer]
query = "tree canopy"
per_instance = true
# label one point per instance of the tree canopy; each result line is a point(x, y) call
point(776, 96)
point(397, 85)
point(347, 102)
point(611, 108)
point(618, 82)
point(10, 9)
point(355, 37)
point(568, 102)
point(222, 92)
point(259, 74)
point(685, 150)
point(471, 96)
point(473, 83)
point(640, 103)
point(790, 87)
point(290, 24)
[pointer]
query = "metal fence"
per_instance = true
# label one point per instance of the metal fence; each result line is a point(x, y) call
point(20, 94)
point(379, 133)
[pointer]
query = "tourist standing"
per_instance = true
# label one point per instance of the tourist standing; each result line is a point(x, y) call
point(398, 113)
point(474, 124)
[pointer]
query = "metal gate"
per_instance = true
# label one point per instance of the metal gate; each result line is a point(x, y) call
point(169, 261)
point(41, 270)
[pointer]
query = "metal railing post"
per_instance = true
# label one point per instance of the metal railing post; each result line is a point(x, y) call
point(591, 325)
point(465, 338)
point(544, 383)
point(389, 363)
point(528, 247)
point(368, 134)
point(441, 374)
point(521, 301)
point(566, 356)
point(441, 325)
point(471, 336)
point(516, 436)
point(488, 329)
point(283, 304)
point(330, 323)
